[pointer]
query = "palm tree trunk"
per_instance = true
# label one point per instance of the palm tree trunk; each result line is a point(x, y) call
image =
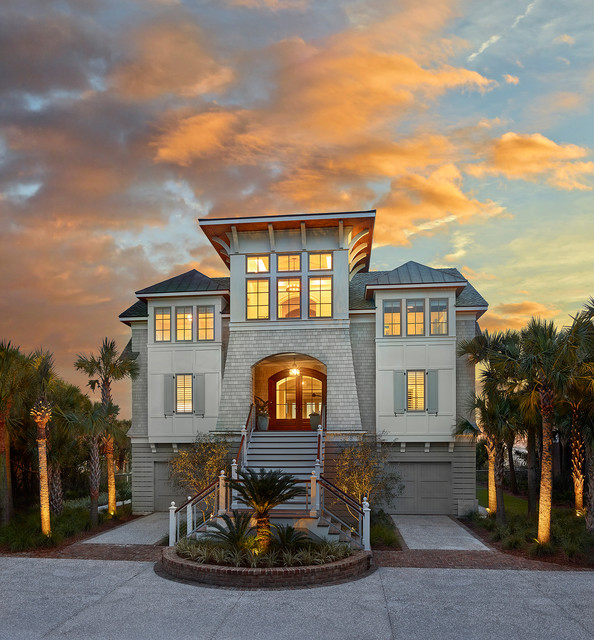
point(546, 397)
point(263, 534)
point(532, 475)
point(56, 496)
point(512, 468)
point(577, 460)
point(491, 476)
point(590, 499)
point(111, 487)
point(5, 472)
point(94, 479)
point(499, 472)
point(43, 480)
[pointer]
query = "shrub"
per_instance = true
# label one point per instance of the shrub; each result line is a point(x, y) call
point(236, 534)
point(382, 535)
point(195, 468)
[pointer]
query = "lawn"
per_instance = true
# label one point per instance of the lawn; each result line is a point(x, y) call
point(513, 504)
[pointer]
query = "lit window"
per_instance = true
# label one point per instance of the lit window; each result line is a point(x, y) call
point(258, 300)
point(162, 324)
point(438, 311)
point(415, 391)
point(289, 297)
point(320, 297)
point(183, 393)
point(183, 323)
point(392, 317)
point(320, 261)
point(415, 322)
point(289, 262)
point(258, 264)
point(205, 323)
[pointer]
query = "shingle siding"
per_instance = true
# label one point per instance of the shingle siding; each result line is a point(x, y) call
point(465, 372)
point(363, 348)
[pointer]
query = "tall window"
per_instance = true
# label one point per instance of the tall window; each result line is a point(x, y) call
point(183, 324)
point(289, 262)
point(392, 317)
point(162, 324)
point(183, 393)
point(415, 321)
point(320, 261)
point(438, 320)
point(205, 323)
point(258, 299)
point(320, 297)
point(415, 391)
point(258, 264)
point(289, 297)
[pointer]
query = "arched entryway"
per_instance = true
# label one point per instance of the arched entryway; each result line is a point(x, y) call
point(294, 386)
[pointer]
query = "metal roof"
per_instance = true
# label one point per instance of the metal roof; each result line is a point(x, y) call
point(187, 282)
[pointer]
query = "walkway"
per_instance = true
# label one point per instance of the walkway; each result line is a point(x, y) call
point(146, 530)
point(47, 599)
point(436, 532)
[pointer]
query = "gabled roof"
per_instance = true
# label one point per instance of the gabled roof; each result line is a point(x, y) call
point(416, 273)
point(189, 282)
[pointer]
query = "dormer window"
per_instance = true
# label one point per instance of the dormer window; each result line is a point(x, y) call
point(183, 324)
point(320, 261)
point(258, 264)
point(289, 262)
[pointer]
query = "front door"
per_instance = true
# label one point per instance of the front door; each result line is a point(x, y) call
point(293, 398)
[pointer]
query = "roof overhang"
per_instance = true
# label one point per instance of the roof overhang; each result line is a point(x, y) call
point(222, 233)
point(183, 294)
point(478, 311)
point(414, 285)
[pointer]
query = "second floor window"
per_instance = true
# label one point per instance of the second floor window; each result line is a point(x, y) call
point(183, 324)
point(415, 391)
point(438, 320)
point(415, 321)
point(258, 264)
point(320, 261)
point(320, 297)
point(258, 300)
point(289, 262)
point(183, 393)
point(289, 297)
point(205, 317)
point(392, 318)
point(162, 324)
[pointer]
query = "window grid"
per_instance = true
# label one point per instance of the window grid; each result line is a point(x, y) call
point(162, 324)
point(415, 391)
point(320, 261)
point(415, 317)
point(320, 297)
point(183, 393)
point(258, 264)
point(289, 262)
point(183, 324)
point(258, 299)
point(392, 318)
point(205, 317)
point(289, 297)
point(438, 317)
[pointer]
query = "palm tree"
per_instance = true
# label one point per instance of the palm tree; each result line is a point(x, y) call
point(262, 491)
point(108, 366)
point(14, 371)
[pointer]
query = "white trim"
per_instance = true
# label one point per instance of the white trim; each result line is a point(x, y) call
point(417, 285)
point(143, 319)
point(370, 312)
point(473, 309)
point(183, 294)
point(207, 222)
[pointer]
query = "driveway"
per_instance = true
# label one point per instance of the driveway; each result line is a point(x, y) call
point(84, 599)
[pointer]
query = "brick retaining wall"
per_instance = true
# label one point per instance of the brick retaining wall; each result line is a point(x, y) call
point(279, 577)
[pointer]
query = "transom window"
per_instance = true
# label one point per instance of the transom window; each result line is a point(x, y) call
point(183, 393)
point(415, 391)
point(415, 321)
point(183, 324)
point(258, 264)
point(289, 297)
point(392, 317)
point(320, 261)
point(162, 324)
point(258, 299)
point(205, 323)
point(320, 297)
point(438, 320)
point(289, 262)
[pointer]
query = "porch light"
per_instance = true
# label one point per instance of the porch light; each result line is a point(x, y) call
point(294, 371)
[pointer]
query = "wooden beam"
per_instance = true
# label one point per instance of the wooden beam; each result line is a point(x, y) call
point(340, 235)
point(271, 236)
point(235, 239)
point(303, 237)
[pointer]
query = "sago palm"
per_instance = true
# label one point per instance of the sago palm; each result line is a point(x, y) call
point(109, 366)
point(262, 491)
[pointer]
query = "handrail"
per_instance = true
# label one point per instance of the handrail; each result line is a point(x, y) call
point(341, 494)
point(199, 496)
point(249, 427)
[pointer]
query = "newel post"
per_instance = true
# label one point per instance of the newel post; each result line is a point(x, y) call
point(222, 493)
point(233, 477)
point(317, 469)
point(244, 447)
point(172, 539)
point(366, 525)
point(315, 501)
point(189, 523)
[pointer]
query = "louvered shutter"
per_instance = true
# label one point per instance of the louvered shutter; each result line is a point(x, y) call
point(199, 394)
point(399, 392)
point(432, 392)
point(168, 393)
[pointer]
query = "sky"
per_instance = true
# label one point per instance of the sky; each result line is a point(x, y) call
point(467, 125)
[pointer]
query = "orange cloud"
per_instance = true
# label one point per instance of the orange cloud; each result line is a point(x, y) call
point(476, 276)
point(532, 157)
point(511, 79)
point(564, 39)
point(515, 315)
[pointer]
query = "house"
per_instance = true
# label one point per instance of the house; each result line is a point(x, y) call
point(304, 324)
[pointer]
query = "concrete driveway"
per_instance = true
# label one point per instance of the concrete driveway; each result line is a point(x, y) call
point(84, 599)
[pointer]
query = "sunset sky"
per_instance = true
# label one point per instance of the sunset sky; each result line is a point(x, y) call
point(467, 125)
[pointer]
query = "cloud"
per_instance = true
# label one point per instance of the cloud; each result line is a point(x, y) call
point(534, 157)
point(511, 79)
point(515, 315)
point(473, 275)
point(271, 5)
point(564, 39)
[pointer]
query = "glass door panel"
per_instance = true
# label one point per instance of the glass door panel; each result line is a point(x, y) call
point(311, 396)
point(286, 399)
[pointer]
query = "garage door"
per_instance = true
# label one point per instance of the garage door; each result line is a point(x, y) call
point(427, 488)
point(165, 491)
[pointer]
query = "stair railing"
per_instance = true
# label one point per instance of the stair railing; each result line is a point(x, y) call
point(321, 441)
point(246, 434)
